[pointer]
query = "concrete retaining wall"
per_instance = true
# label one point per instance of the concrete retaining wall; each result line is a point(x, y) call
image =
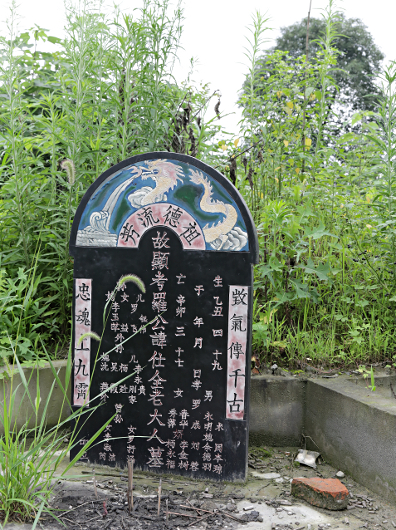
point(351, 426)
point(22, 408)
point(276, 411)
point(354, 429)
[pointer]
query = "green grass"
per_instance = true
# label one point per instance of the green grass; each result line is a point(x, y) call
point(321, 193)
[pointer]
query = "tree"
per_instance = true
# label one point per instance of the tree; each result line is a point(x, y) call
point(358, 61)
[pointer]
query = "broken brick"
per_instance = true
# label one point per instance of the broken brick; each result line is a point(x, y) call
point(329, 493)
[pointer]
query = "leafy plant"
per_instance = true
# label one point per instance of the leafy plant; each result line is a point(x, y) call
point(320, 187)
point(366, 373)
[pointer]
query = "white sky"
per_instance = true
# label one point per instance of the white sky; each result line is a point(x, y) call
point(214, 33)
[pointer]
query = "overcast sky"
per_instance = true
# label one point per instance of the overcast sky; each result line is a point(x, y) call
point(214, 33)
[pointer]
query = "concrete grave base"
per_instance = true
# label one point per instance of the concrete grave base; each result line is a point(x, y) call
point(351, 426)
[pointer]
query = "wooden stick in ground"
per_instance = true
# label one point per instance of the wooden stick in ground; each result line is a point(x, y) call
point(185, 514)
point(159, 496)
point(167, 513)
point(202, 518)
point(192, 507)
point(94, 484)
point(197, 509)
point(207, 511)
point(230, 516)
point(130, 486)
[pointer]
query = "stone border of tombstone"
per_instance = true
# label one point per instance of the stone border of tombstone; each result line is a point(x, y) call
point(172, 367)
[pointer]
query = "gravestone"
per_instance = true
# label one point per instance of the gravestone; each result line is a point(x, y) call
point(180, 350)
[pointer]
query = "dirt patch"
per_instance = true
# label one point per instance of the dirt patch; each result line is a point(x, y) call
point(81, 508)
point(207, 505)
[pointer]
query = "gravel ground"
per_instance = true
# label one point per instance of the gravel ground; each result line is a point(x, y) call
point(264, 502)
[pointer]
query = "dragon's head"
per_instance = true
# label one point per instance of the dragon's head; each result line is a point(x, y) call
point(158, 169)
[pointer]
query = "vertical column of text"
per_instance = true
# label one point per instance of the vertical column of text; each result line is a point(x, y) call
point(82, 348)
point(236, 351)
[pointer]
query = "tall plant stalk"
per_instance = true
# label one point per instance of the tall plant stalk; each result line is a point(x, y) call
point(13, 121)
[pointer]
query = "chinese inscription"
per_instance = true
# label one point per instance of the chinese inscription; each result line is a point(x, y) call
point(236, 350)
point(172, 366)
point(82, 347)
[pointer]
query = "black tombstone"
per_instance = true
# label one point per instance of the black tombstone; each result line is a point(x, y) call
point(185, 231)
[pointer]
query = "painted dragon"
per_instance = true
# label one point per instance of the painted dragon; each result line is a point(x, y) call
point(223, 235)
point(165, 174)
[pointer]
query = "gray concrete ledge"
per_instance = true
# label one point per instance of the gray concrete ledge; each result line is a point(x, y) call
point(23, 410)
point(350, 425)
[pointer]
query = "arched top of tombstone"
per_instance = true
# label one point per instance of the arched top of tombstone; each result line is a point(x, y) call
point(164, 189)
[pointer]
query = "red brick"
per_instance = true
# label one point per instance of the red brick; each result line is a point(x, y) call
point(327, 493)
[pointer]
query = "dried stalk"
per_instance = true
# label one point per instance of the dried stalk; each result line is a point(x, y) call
point(94, 484)
point(159, 496)
point(130, 486)
point(305, 84)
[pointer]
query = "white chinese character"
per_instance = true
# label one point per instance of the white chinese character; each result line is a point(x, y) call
point(124, 297)
point(158, 339)
point(208, 395)
point(195, 403)
point(155, 459)
point(157, 360)
point(160, 241)
point(160, 260)
point(159, 303)
point(196, 384)
point(198, 342)
point(180, 311)
point(218, 282)
point(160, 280)
point(156, 416)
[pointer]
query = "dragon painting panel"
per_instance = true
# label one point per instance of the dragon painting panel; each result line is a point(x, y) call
point(162, 193)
